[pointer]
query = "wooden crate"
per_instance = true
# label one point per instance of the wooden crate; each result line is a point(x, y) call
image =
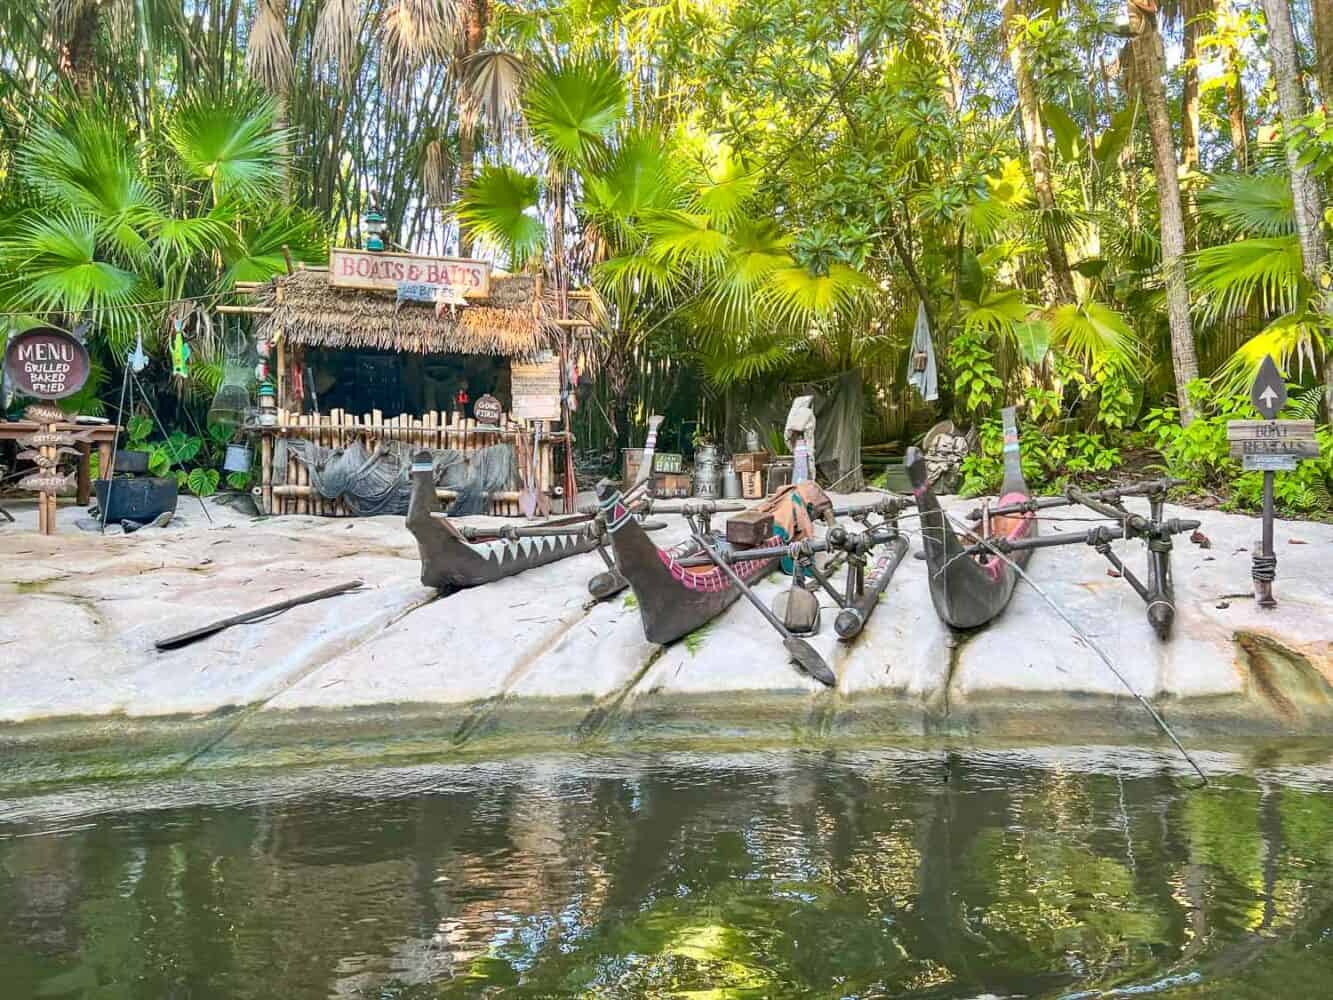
point(750, 461)
point(671, 484)
point(752, 485)
point(749, 528)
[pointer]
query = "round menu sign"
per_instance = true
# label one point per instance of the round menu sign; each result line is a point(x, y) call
point(46, 363)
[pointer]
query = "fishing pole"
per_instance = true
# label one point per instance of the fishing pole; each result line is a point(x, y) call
point(1161, 723)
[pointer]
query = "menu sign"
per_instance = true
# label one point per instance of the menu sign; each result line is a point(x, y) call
point(389, 272)
point(46, 363)
point(536, 388)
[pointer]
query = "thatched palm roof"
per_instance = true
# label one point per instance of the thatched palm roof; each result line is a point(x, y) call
point(513, 322)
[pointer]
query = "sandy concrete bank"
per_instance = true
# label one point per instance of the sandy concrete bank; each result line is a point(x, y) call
point(526, 660)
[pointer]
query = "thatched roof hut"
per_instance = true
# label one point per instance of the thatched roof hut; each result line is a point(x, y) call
point(515, 321)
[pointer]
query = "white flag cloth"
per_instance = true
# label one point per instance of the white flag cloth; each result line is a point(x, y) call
point(924, 377)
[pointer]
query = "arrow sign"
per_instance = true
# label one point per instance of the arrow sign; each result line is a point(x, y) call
point(1269, 392)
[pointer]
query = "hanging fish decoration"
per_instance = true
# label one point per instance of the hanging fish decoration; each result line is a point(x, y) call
point(180, 352)
point(138, 359)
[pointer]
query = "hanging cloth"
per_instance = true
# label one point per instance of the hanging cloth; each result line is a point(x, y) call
point(921, 371)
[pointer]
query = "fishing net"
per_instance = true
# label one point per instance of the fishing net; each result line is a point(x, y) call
point(377, 482)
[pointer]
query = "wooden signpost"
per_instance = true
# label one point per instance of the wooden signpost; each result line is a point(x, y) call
point(49, 364)
point(1269, 446)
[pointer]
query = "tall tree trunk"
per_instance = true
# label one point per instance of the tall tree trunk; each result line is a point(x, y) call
point(1240, 129)
point(1150, 64)
point(474, 37)
point(78, 55)
point(1323, 43)
point(1034, 134)
point(1304, 187)
point(1194, 13)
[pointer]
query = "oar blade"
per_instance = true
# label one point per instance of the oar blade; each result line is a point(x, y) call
point(810, 661)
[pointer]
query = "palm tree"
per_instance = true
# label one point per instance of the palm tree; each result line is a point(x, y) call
point(1034, 133)
point(1306, 198)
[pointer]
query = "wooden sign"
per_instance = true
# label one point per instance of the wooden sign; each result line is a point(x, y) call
point(536, 388)
point(390, 272)
point(1272, 437)
point(487, 410)
point(43, 413)
point(1269, 391)
point(48, 482)
point(47, 363)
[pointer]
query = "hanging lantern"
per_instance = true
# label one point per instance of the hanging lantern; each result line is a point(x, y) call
point(375, 226)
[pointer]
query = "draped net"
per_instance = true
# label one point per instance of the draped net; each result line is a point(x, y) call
point(377, 482)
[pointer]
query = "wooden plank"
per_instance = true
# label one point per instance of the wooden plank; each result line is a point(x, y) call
point(1251, 430)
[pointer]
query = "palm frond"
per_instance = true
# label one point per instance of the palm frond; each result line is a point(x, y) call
point(573, 108)
point(1229, 279)
point(1251, 204)
point(268, 54)
point(1295, 340)
point(492, 88)
point(798, 298)
point(231, 143)
point(1095, 334)
point(336, 35)
point(499, 206)
point(413, 32)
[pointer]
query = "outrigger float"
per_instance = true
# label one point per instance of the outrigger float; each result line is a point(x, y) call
point(972, 578)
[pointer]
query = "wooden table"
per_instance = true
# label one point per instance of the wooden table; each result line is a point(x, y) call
point(102, 435)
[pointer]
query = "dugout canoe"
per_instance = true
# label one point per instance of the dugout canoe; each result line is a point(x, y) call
point(970, 589)
point(450, 562)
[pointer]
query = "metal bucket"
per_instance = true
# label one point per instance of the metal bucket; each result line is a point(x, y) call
point(707, 454)
point(238, 458)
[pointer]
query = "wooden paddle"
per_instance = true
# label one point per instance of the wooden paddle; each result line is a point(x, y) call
point(804, 654)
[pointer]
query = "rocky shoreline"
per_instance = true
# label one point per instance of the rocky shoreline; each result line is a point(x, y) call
point(525, 664)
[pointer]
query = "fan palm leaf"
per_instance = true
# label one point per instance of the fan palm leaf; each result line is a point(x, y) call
point(1095, 334)
point(256, 252)
point(499, 206)
point(1251, 204)
point(492, 88)
point(1295, 340)
point(573, 108)
point(688, 239)
point(1229, 279)
point(231, 143)
point(797, 298)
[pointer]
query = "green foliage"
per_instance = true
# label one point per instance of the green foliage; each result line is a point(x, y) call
point(975, 380)
point(498, 207)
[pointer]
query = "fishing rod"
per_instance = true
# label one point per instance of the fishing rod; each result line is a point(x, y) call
point(1101, 653)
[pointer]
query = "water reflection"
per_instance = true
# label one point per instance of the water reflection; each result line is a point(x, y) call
point(762, 875)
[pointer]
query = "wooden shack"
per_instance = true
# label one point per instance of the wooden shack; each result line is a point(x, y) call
point(378, 363)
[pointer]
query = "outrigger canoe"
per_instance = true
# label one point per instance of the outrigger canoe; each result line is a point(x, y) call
point(676, 594)
point(970, 585)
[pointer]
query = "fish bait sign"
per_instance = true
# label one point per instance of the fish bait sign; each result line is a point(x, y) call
point(394, 272)
point(47, 363)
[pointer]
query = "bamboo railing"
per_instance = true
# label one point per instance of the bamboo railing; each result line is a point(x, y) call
point(337, 429)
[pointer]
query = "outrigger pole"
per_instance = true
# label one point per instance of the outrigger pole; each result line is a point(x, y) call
point(1157, 591)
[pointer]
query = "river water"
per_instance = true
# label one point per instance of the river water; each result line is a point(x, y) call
point(912, 873)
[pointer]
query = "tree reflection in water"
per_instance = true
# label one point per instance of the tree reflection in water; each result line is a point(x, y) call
point(757, 875)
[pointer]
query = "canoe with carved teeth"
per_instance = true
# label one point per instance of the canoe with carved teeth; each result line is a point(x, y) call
point(450, 562)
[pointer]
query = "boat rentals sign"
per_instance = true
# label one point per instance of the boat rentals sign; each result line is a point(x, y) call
point(391, 272)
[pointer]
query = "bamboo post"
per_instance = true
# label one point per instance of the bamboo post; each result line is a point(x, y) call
point(266, 472)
